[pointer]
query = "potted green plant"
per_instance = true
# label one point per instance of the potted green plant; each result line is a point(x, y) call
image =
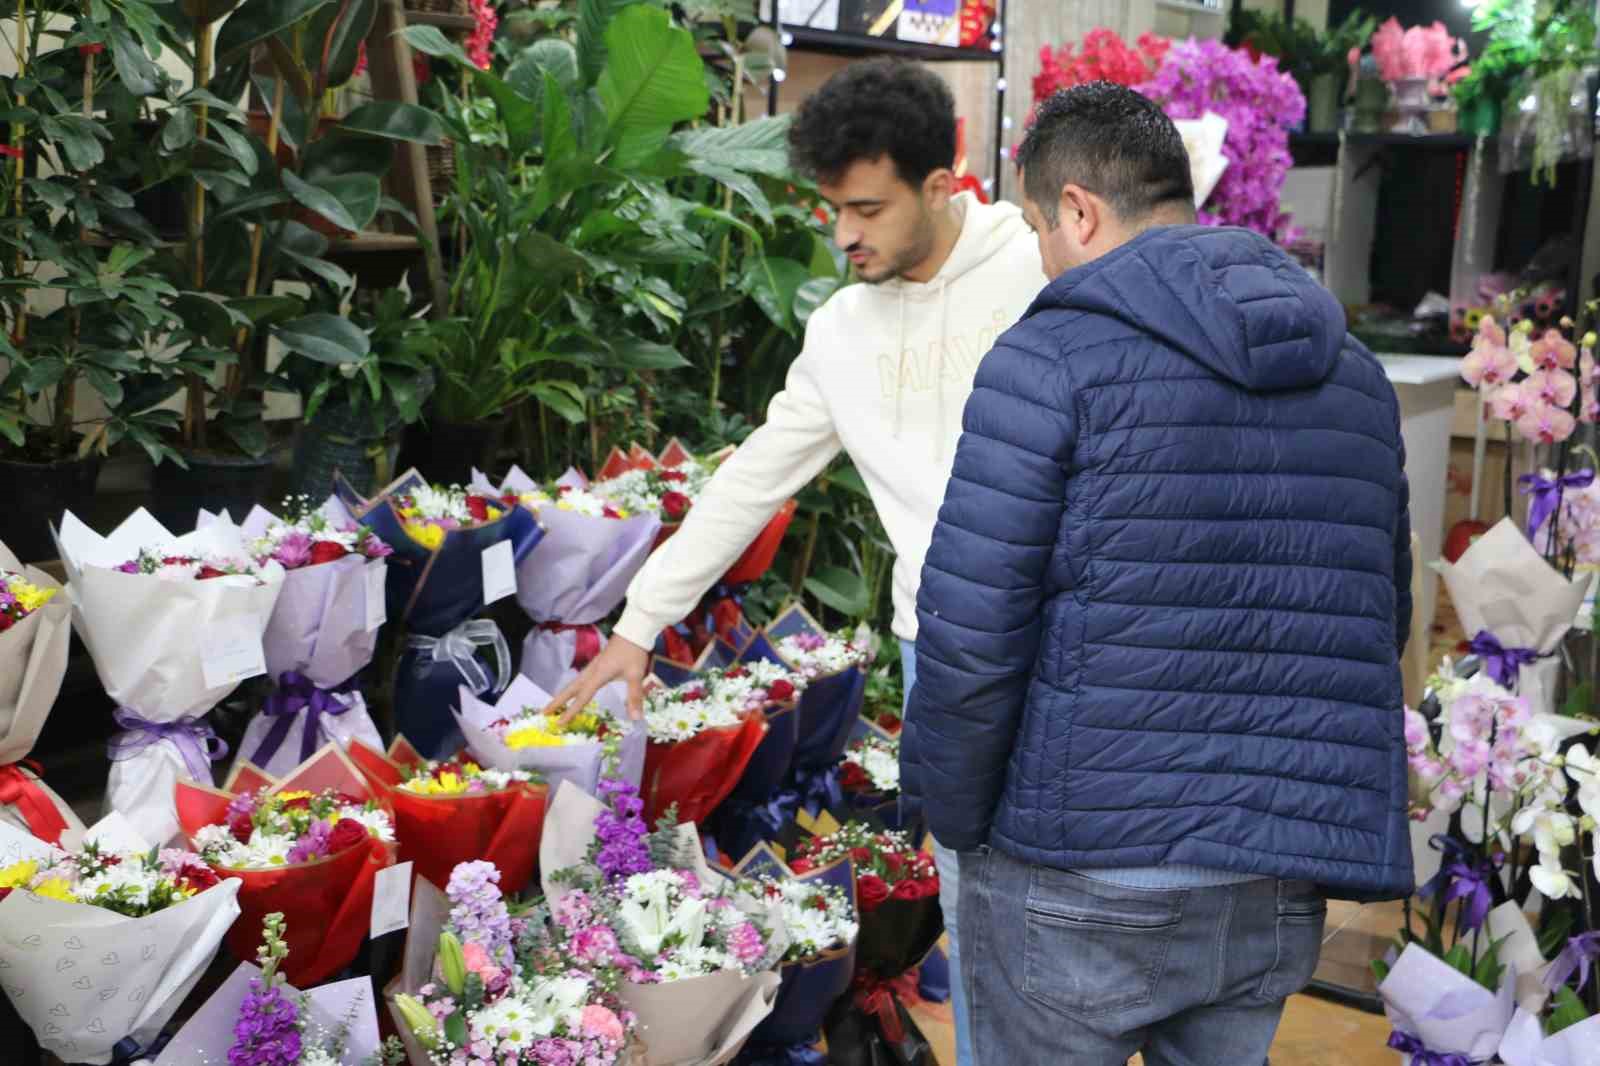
point(263, 206)
point(1506, 56)
point(354, 409)
point(1318, 62)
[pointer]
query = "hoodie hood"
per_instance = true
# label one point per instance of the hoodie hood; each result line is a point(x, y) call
point(1228, 298)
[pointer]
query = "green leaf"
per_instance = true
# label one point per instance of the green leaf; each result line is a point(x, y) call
point(759, 147)
point(261, 311)
point(107, 384)
point(179, 131)
point(352, 29)
point(396, 121)
point(562, 397)
point(349, 201)
point(847, 477)
point(339, 152)
point(239, 146)
point(840, 589)
point(1555, 927)
point(325, 338)
point(1569, 1011)
point(1380, 970)
point(332, 273)
point(250, 435)
point(551, 55)
point(812, 295)
point(256, 20)
point(1459, 958)
point(653, 80)
point(520, 115)
point(773, 283)
point(78, 137)
point(139, 73)
point(743, 186)
point(429, 40)
point(547, 256)
point(634, 353)
point(1580, 701)
point(594, 19)
point(560, 139)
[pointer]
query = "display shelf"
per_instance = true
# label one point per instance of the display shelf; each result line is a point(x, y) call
point(861, 44)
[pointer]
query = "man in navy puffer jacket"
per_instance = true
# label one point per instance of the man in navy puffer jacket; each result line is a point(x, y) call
point(1158, 704)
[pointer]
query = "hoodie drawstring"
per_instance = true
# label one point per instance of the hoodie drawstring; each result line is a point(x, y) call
point(900, 371)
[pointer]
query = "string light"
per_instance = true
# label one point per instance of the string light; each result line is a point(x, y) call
point(788, 39)
point(1000, 86)
point(778, 74)
point(1006, 123)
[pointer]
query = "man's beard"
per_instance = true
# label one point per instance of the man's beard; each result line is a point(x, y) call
point(919, 248)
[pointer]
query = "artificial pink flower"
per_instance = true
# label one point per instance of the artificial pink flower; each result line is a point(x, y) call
point(1416, 729)
point(1511, 402)
point(1488, 364)
point(480, 43)
point(1470, 758)
point(1554, 387)
point(1544, 424)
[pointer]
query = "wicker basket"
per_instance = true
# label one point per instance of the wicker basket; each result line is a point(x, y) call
point(441, 169)
point(447, 7)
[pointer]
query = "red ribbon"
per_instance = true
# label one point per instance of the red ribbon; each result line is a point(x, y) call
point(877, 995)
point(588, 646)
point(38, 811)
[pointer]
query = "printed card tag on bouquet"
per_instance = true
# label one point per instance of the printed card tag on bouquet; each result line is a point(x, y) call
point(233, 653)
point(391, 899)
point(377, 607)
point(499, 572)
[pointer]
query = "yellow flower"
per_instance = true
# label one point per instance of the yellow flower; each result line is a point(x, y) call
point(18, 874)
point(285, 797)
point(31, 597)
point(451, 783)
point(55, 888)
point(429, 536)
point(532, 735)
point(493, 512)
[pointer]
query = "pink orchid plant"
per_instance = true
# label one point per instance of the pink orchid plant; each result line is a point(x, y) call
point(1417, 52)
point(1527, 378)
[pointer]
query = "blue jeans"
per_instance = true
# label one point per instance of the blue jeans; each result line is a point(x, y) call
point(1063, 969)
point(949, 899)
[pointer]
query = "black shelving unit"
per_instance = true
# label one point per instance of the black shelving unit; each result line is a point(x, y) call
point(836, 42)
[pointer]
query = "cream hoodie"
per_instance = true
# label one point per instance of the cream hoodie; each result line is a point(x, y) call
point(884, 375)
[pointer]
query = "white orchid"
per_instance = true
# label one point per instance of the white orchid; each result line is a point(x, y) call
point(1551, 880)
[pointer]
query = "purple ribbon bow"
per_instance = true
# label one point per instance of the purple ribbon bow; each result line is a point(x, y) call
point(1546, 494)
point(295, 693)
point(819, 789)
point(1459, 877)
point(1504, 664)
point(195, 741)
point(1580, 951)
point(1407, 1044)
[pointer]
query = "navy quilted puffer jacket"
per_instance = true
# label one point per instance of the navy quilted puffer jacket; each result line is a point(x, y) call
point(1163, 609)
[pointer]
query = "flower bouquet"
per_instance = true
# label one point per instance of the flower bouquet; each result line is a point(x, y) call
point(834, 667)
point(668, 485)
point(695, 954)
point(447, 543)
point(35, 629)
point(591, 550)
point(897, 890)
point(448, 812)
point(870, 775)
point(258, 1019)
point(173, 625)
point(323, 630)
point(480, 985)
point(820, 916)
point(99, 947)
point(309, 846)
point(514, 733)
point(704, 734)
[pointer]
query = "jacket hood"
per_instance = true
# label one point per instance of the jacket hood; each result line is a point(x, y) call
point(1228, 298)
point(986, 230)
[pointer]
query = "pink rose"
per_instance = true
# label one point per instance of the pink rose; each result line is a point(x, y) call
point(478, 962)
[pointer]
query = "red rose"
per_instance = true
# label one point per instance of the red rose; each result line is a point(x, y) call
point(893, 863)
point(299, 803)
point(197, 877)
point(737, 671)
point(675, 505)
point(907, 890)
point(860, 856)
point(347, 834)
point(674, 476)
point(6, 621)
point(510, 499)
point(781, 690)
point(478, 508)
point(208, 572)
point(240, 826)
point(694, 694)
point(872, 891)
point(327, 551)
point(800, 866)
point(855, 779)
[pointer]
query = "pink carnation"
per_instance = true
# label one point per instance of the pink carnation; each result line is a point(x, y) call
point(600, 1022)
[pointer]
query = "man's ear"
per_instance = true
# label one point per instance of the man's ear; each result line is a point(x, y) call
point(1082, 213)
point(939, 188)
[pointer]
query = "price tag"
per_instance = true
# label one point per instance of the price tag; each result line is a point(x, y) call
point(233, 653)
point(391, 899)
point(377, 605)
point(499, 573)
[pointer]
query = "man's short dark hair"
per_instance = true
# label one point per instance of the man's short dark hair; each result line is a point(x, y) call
point(1113, 142)
point(883, 107)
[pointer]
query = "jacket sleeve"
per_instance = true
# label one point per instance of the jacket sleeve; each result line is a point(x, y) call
point(1402, 547)
point(983, 587)
point(794, 445)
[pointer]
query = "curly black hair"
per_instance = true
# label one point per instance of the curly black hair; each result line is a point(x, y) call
point(872, 109)
point(1115, 143)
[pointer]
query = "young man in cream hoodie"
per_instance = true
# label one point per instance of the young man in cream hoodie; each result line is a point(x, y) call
point(884, 374)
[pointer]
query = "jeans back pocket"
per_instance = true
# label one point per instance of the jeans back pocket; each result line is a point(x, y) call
point(1092, 948)
point(1302, 915)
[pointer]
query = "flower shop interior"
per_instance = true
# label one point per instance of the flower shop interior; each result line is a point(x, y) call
point(358, 353)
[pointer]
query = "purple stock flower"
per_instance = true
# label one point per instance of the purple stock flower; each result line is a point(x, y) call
point(314, 845)
point(479, 911)
point(294, 550)
point(266, 1032)
point(621, 832)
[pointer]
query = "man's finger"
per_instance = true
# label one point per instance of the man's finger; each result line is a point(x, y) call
point(635, 699)
point(562, 698)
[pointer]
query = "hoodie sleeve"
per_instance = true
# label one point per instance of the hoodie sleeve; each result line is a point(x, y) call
point(794, 445)
point(983, 587)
